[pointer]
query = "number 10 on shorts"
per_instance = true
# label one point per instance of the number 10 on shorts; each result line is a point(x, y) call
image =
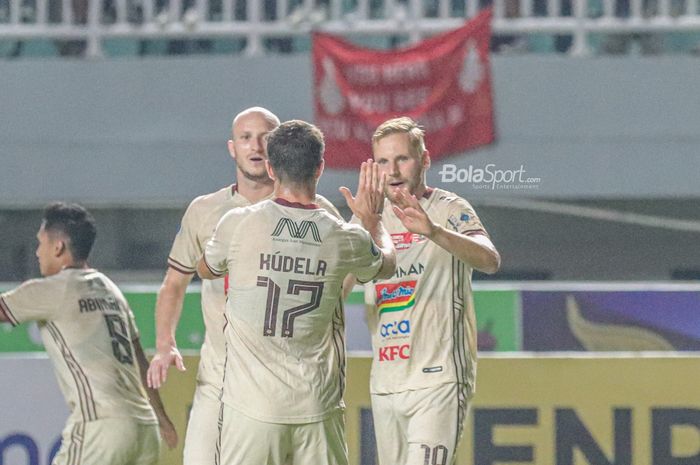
point(435, 455)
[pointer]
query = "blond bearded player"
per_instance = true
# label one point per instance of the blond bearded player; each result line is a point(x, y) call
point(247, 148)
point(422, 319)
point(90, 336)
point(285, 337)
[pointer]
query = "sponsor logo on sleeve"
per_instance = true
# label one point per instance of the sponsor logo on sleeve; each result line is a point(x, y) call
point(458, 223)
point(395, 297)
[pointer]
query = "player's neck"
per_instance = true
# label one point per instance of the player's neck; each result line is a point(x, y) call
point(295, 194)
point(75, 264)
point(420, 190)
point(254, 191)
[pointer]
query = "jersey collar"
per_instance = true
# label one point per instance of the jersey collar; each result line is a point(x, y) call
point(287, 203)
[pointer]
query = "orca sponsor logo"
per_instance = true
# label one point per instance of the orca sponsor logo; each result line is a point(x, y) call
point(391, 353)
point(432, 369)
point(396, 328)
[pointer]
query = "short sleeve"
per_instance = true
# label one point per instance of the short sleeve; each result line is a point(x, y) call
point(216, 250)
point(186, 249)
point(35, 300)
point(463, 219)
point(367, 258)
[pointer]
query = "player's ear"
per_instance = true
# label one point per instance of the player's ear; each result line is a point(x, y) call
point(319, 170)
point(270, 172)
point(426, 160)
point(231, 149)
point(59, 247)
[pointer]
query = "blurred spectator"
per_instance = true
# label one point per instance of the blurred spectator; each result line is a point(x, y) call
point(80, 14)
point(189, 46)
point(507, 42)
point(649, 43)
point(562, 42)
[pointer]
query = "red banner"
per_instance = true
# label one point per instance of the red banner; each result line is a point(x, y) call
point(444, 83)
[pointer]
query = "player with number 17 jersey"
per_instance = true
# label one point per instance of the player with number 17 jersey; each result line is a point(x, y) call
point(285, 325)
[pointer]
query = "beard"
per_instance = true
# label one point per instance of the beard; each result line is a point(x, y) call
point(262, 178)
point(408, 188)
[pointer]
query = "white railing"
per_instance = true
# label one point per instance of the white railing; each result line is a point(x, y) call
point(93, 21)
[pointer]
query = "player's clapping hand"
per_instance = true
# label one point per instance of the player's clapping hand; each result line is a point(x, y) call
point(158, 369)
point(414, 218)
point(368, 203)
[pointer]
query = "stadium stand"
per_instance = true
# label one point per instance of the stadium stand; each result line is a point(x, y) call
point(255, 27)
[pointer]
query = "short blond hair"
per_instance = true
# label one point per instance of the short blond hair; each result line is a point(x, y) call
point(404, 124)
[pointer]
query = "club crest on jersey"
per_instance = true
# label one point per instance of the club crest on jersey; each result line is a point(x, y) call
point(403, 241)
point(395, 297)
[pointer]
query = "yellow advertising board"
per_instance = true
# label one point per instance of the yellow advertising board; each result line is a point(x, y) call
point(543, 410)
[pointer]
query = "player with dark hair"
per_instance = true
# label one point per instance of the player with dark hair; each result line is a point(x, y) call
point(247, 147)
point(285, 340)
point(422, 319)
point(89, 333)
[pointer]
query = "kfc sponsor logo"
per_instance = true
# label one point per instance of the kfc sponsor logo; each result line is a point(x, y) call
point(391, 353)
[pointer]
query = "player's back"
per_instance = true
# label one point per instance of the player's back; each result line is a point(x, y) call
point(87, 328)
point(285, 332)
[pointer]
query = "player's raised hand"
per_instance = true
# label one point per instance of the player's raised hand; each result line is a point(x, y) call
point(412, 216)
point(158, 369)
point(368, 203)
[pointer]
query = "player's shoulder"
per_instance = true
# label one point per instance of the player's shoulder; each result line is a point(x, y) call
point(445, 196)
point(353, 231)
point(447, 200)
point(327, 205)
point(240, 213)
point(207, 202)
point(55, 283)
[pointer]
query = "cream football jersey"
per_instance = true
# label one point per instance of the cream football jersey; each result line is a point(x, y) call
point(87, 328)
point(422, 319)
point(285, 330)
point(196, 229)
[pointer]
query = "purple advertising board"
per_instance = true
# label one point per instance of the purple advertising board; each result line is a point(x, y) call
point(611, 320)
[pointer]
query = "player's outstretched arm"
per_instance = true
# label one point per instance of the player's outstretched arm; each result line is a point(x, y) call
point(477, 250)
point(168, 310)
point(167, 429)
point(367, 205)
